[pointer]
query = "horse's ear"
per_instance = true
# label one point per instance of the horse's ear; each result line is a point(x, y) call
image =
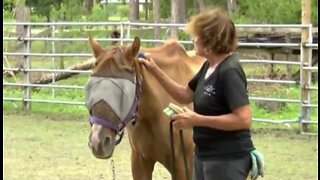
point(134, 49)
point(96, 48)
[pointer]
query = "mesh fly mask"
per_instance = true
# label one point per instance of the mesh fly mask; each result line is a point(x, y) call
point(120, 94)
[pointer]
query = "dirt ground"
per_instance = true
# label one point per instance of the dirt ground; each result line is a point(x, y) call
point(46, 146)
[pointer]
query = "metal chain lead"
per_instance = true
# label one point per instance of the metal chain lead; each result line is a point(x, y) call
point(113, 170)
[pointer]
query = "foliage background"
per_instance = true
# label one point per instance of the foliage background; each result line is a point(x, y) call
point(247, 11)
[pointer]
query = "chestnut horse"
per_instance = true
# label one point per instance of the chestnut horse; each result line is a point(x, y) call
point(118, 85)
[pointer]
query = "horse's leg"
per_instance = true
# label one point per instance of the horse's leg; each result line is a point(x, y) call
point(141, 168)
point(180, 171)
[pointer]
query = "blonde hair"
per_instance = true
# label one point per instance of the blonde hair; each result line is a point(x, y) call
point(215, 30)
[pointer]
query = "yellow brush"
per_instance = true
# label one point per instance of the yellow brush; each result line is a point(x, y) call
point(172, 109)
point(169, 111)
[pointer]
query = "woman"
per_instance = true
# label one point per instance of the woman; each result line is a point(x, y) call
point(222, 117)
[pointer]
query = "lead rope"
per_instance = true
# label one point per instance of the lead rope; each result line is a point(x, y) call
point(184, 154)
point(173, 163)
point(113, 170)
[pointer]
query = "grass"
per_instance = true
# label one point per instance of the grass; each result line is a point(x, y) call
point(54, 146)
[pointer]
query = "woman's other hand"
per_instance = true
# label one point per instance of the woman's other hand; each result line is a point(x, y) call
point(184, 120)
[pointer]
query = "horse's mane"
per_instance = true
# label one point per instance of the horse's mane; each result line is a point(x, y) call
point(169, 48)
point(171, 51)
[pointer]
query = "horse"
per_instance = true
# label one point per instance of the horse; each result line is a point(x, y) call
point(122, 94)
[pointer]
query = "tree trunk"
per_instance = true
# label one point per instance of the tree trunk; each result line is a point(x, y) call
point(156, 18)
point(88, 4)
point(107, 12)
point(195, 7)
point(48, 19)
point(182, 9)
point(174, 17)
point(22, 14)
point(200, 4)
point(133, 10)
point(146, 8)
point(47, 78)
point(231, 6)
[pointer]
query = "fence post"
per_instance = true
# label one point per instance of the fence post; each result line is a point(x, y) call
point(26, 67)
point(53, 57)
point(121, 33)
point(128, 30)
point(306, 61)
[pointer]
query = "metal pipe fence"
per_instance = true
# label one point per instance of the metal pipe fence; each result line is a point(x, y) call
point(126, 27)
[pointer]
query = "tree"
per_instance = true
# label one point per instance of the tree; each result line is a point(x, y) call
point(182, 10)
point(22, 14)
point(8, 5)
point(146, 8)
point(174, 17)
point(43, 7)
point(156, 18)
point(133, 10)
point(201, 4)
point(88, 4)
point(198, 5)
point(232, 5)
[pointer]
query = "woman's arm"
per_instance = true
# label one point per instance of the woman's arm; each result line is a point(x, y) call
point(182, 94)
point(239, 118)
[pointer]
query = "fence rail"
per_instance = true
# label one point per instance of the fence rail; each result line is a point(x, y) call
point(305, 48)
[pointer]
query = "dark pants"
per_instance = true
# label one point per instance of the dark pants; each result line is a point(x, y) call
point(221, 169)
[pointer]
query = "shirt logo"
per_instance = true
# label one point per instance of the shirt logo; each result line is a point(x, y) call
point(209, 90)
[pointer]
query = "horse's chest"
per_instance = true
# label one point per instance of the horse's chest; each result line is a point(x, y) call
point(145, 141)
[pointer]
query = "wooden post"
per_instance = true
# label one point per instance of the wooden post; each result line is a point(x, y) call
point(61, 48)
point(22, 14)
point(26, 65)
point(53, 50)
point(305, 75)
point(288, 54)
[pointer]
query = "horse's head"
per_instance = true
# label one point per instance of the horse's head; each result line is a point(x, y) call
point(111, 95)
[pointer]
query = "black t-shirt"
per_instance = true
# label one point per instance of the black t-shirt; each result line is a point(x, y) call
point(224, 90)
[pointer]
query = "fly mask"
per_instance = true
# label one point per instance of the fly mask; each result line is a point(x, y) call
point(120, 94)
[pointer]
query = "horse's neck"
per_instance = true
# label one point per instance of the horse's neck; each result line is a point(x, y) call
point(174, 61)
point(168, 49)
point(176, 67)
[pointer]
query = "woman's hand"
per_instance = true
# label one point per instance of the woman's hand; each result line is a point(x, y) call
point(149, 63)
point(184, 120)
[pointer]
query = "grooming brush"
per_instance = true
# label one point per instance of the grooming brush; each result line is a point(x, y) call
point(141, 55)
point(172, 109)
